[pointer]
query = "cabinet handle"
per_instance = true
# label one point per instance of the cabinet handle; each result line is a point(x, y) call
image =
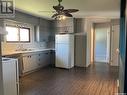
point(22, 65)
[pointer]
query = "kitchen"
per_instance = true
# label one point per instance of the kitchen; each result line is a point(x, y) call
point(36, 50)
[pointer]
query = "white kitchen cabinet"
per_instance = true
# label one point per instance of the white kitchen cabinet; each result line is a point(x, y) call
point(65, 26)
point(47, 58)
point(29, 63)
point(44, 58)
point(26, 64)
point(33, 61)
point(41, 33)
point(79, 24)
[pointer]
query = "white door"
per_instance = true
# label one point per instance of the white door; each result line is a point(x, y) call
point(102, 44)
point(62, 55)
point(33, 62)
point(10, 78)
point(26, 64)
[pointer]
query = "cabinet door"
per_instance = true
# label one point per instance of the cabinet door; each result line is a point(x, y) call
point(52, 58)
point(44, 59)
point(33, 62)
point(30, 63)
point(47, 58)
point(26, 64)
point(65, 26)
point(43, 34)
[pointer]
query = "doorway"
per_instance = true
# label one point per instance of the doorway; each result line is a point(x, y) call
point(101, 43)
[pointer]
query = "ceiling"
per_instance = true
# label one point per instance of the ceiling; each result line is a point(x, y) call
point(87, 8)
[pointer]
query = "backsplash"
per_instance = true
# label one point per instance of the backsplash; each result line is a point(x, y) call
point(9, 47)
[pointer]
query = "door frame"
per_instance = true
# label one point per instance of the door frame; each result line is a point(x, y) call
point(109, 47)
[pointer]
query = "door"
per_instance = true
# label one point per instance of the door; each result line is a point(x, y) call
point(33, 62)
point(102, 44)
point(62, 55)
point(26, 64)
point(10, 78)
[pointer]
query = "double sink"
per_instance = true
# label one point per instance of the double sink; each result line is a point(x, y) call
point(25, 51)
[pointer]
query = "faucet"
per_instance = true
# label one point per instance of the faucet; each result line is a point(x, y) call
point(20, 47)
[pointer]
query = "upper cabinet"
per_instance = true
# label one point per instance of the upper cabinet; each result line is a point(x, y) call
point(70, 25)
point(64, 26)
point(42, 32)
point(79, 25)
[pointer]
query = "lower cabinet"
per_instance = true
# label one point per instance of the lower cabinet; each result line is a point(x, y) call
point(44, 59)
point(33, 61)
point(29, 63)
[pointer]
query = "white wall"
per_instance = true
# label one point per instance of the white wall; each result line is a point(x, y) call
point(88, 28)
point(92, 44)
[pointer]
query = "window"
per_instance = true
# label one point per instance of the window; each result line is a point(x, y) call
point(17, 34)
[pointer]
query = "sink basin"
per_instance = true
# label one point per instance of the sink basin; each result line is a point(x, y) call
point(24, 50)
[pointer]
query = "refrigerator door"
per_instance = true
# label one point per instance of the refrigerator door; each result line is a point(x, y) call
point(64, 47)
point(62, 55)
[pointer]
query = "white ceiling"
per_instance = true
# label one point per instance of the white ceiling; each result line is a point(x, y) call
point(88, 8)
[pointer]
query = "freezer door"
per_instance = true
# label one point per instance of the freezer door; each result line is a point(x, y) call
point(66, 38)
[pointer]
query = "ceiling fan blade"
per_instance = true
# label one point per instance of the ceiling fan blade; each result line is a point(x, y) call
point(68, 15)
point(70, 10)
point(47, 11)
point(55, 15)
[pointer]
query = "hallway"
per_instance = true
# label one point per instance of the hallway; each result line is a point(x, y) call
point(98, 79)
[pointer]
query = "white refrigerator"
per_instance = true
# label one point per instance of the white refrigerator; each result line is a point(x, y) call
point(64, 46)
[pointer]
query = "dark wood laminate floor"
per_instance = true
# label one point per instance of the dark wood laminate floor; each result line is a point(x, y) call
point(99, 79)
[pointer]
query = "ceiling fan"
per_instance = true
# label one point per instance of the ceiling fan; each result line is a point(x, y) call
point(61, 12)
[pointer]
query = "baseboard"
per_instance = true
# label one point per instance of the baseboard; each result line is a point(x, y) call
point(115, 65)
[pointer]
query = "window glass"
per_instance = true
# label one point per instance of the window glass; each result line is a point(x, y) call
point(24, 34)
point(12, 34)
point(17, 34)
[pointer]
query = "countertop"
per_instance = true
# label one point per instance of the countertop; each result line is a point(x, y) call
point(26, 51)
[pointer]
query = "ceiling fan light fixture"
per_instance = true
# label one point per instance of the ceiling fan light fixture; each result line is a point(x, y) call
point(60, 17)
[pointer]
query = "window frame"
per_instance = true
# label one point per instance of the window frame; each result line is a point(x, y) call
point(19, 34)
point(28, 35)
